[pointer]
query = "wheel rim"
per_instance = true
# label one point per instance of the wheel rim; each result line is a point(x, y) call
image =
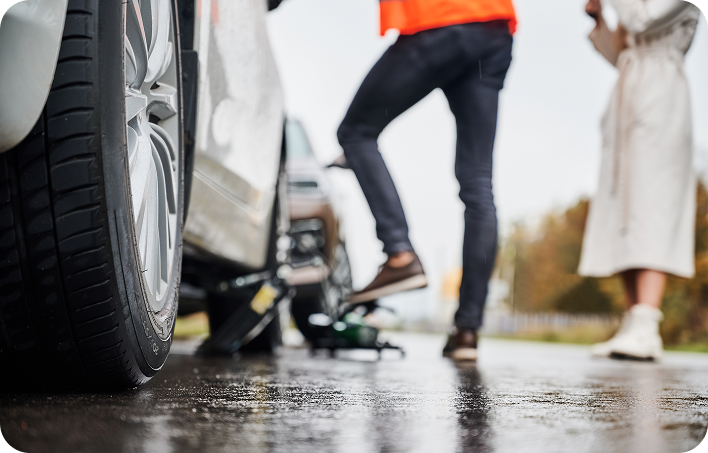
point(151, 106)
point(338, 283)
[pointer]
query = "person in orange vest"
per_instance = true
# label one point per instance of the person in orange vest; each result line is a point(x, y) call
point(464, 48)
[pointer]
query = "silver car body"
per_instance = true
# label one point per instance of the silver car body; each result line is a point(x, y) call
point(239, 133)
point(30, 35)
point(239, 120)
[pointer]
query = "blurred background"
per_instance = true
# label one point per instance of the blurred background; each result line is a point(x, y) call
point(546, 166)
point(547, 158)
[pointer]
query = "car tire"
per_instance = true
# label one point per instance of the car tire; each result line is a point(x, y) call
point(338, 285)
point(79, 307)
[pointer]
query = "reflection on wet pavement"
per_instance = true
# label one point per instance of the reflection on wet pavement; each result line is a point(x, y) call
point(528, 397)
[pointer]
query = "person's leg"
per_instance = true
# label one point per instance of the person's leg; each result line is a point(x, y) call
point(650, 287)
point(629, 282)
point(638, 336)
point(643, 286)
point(475, 107)
point(397, 81)
point(407, 72)
point(474, 101)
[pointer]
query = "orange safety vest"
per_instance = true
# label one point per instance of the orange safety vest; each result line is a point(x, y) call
point(412, 16)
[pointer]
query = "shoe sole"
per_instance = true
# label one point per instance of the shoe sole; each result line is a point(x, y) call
point(464, 354)
point(624, 356)
point(415, 282)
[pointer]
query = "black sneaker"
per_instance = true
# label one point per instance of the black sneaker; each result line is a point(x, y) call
point(462, 345)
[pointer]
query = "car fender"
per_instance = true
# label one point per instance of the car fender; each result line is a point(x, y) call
point(30, 36)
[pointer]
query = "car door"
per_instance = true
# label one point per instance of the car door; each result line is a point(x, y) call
point(238, 135)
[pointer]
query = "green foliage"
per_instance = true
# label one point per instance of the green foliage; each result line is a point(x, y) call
point(584, 297)
point(546, 262)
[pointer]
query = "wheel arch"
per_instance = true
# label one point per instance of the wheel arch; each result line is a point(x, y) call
point(30, 36)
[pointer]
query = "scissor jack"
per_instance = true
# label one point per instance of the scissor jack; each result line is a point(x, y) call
point(248, 320)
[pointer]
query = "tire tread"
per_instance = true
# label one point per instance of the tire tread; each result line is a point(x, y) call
point(59, 319)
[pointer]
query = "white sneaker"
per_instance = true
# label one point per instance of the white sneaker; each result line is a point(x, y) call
point(638, 337)
point(642, 339)
point(604, 349)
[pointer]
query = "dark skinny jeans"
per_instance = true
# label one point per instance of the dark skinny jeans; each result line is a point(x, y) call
point(469, 63)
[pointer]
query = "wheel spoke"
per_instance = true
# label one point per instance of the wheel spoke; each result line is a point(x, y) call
point(143, 242)
point(162, 157)
point(148, 218)
point(168, 141)
point(135, 31)
point(163, 218)
point(151, 100)
point(131, 63)
point(160, 50)
point(133, 142)
point(140, 178)
point(168, 59)
point(143, 220)
point(147, 12)
point(152, 230)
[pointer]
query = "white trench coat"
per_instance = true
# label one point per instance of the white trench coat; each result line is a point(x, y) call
point(643, 213)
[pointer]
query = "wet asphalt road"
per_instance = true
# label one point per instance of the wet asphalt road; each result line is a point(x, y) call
point(520, 397)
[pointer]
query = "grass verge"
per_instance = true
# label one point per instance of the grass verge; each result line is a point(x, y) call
point(590, 335)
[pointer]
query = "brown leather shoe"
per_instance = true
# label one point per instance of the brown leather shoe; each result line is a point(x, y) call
point(391, 280)
point(462, 345)
point(340, 162)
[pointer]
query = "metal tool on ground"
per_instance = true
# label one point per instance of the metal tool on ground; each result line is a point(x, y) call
point(349, 331)
point(244, 324)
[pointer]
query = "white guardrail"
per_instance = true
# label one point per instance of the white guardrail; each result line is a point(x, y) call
point(496, 323)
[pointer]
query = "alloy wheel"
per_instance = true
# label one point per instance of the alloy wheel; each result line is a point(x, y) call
point(152, 122)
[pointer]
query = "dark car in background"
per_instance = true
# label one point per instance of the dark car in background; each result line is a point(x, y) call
point(321, 273)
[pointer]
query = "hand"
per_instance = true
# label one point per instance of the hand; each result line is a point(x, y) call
point(594, 9)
